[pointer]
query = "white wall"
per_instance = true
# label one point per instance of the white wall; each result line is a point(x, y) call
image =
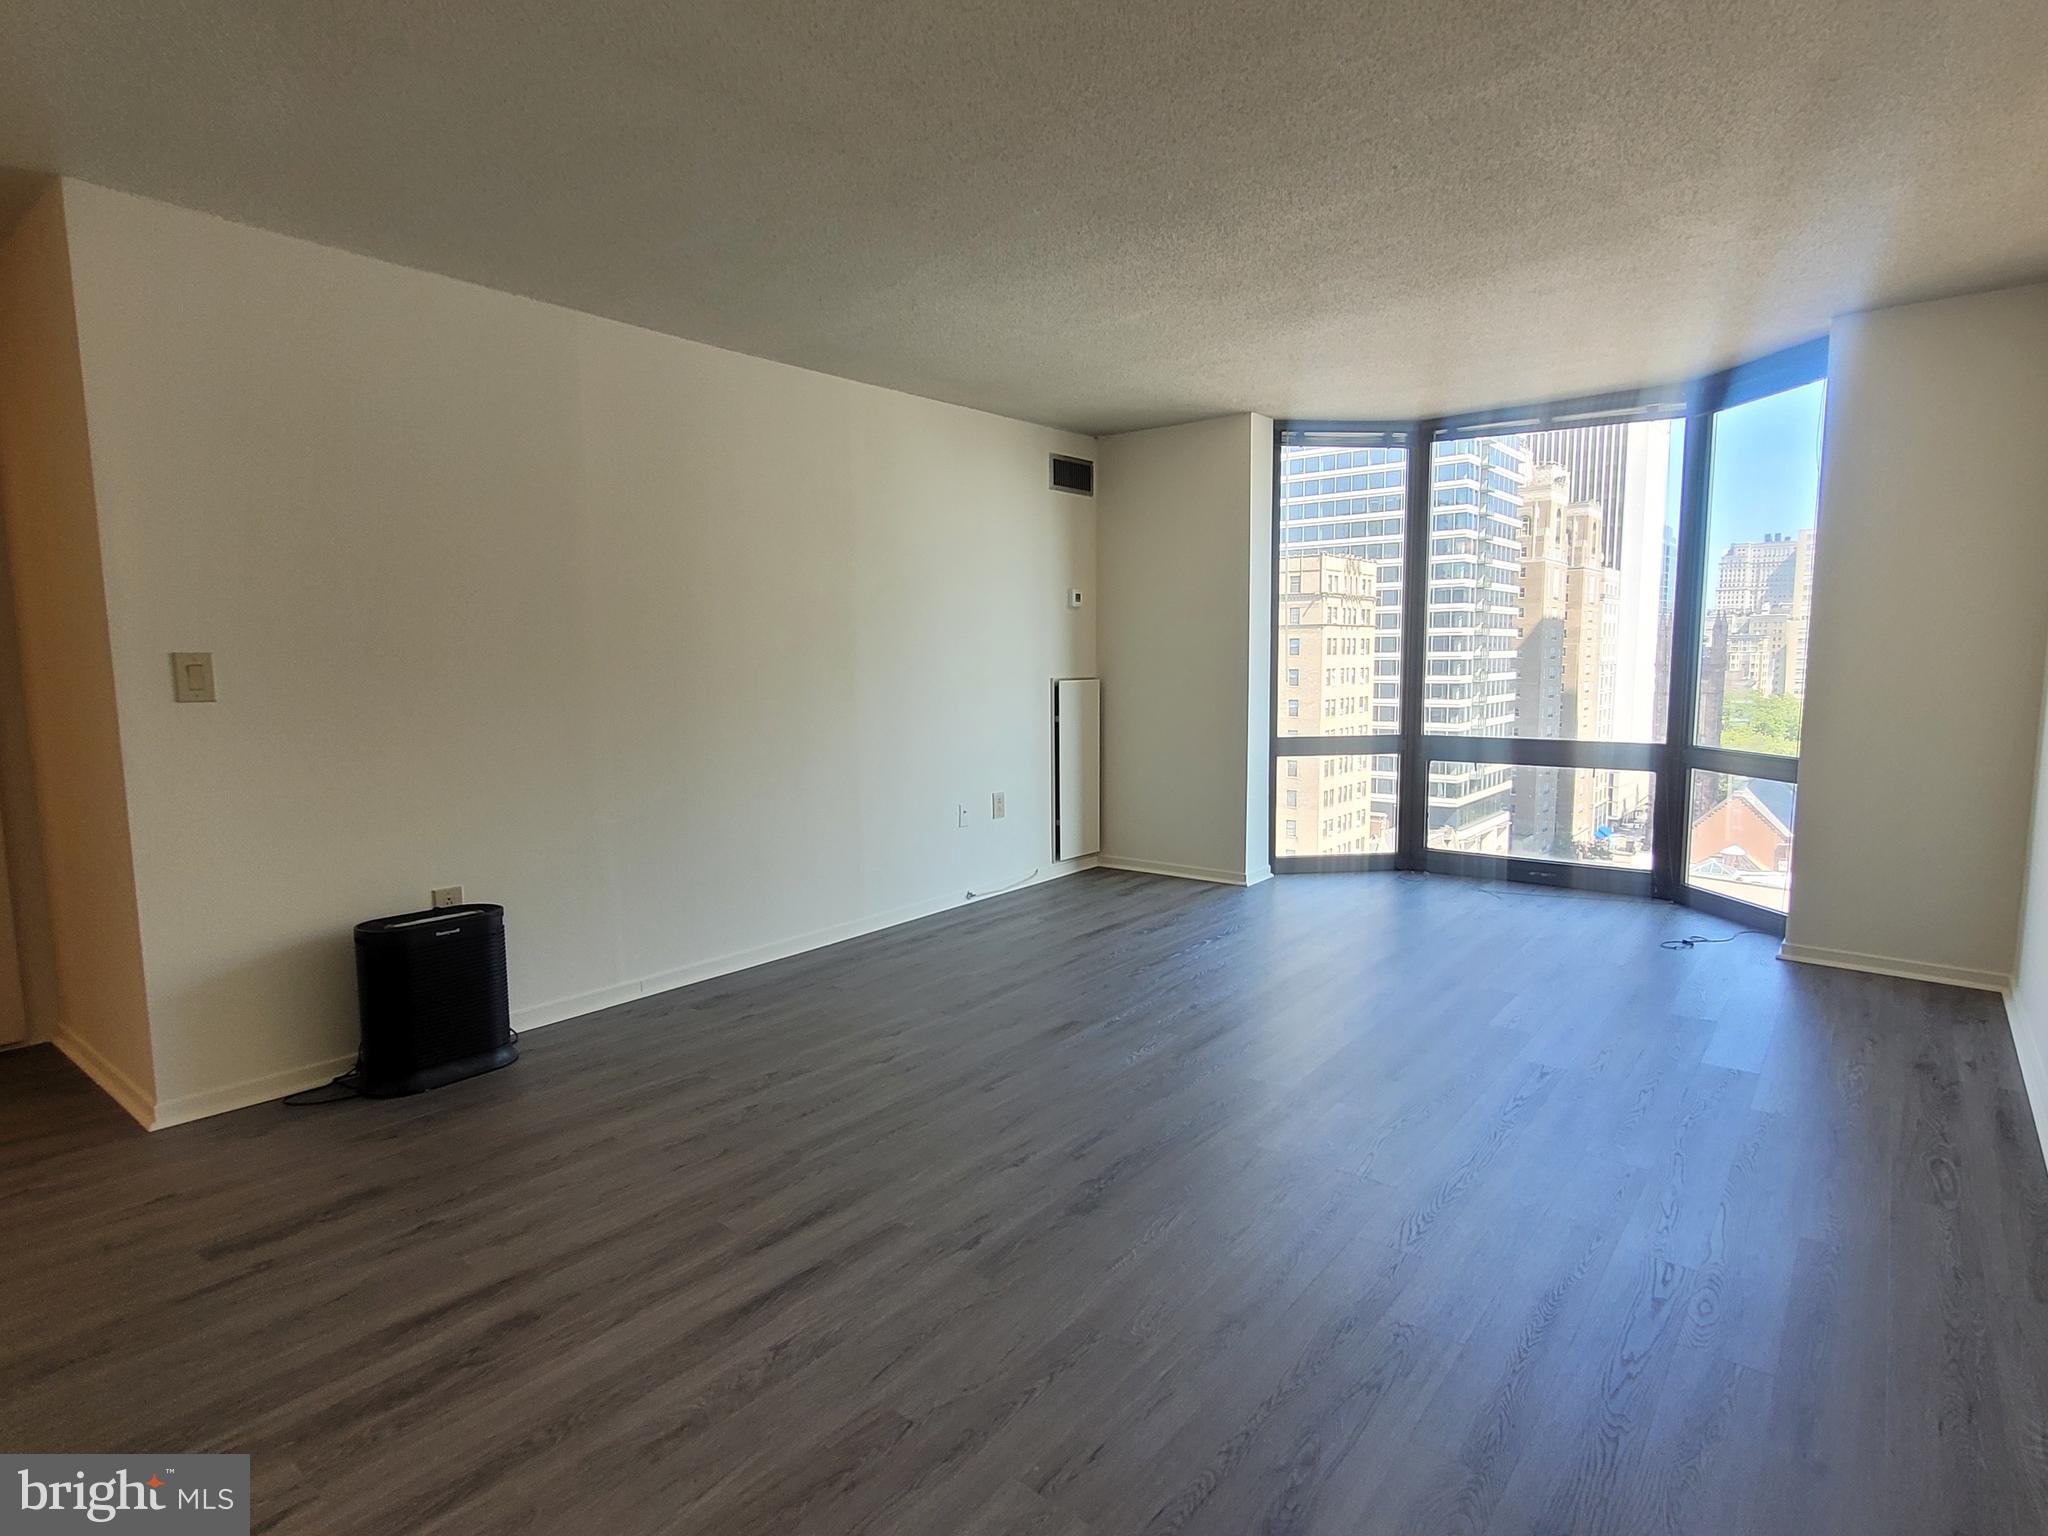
point(1930, 615)
point(1186, 541)
point(685, 657)
point(2026, 1002)
point(70, 867)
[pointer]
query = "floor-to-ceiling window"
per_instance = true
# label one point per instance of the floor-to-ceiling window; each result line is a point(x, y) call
point(1563, 643)
point(1547, 680)
point(1762, 505)
point(1340, 525)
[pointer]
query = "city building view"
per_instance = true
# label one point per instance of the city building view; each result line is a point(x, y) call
point(1339, 646)
point(1552, 562)
point(1341, 804)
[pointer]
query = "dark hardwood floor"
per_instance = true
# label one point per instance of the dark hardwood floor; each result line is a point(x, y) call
point(1348, 1203)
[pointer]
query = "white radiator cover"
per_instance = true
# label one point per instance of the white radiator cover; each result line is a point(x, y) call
point(1077, 766)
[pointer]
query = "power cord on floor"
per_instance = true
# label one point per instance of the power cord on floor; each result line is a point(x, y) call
point(1694, 940)
point(1020, 880)
point(348, 1082)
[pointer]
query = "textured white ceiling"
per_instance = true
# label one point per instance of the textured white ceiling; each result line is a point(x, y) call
point(1103, 213)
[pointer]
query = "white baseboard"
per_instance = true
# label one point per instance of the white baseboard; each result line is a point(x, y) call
point(1184, 871)
point(2028, 1044)
point(540, 1015)
point(255, 1090)
point(112, 1081)
point(276, 1085)
point(1886, 965)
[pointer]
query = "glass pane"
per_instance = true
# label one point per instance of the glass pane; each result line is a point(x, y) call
point(1332, 805)
point(1762, 506)
point(1550, 582)
point(1339, 577)
point(1569, 815)
point(1739, 841)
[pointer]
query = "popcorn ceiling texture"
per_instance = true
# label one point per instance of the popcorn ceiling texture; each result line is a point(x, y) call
point(1103, 215)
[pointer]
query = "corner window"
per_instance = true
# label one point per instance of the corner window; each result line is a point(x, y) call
point(1580, 653)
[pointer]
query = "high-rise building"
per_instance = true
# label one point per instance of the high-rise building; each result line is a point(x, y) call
point(1533, 586)
point(1567, 641)
point(1341, 515)
point(1642, 554)
point(1598, 460)
point(1771, 573)
point(1761, 616)
point(1470, 685)
point(1660, 687)
point(1713, 678)
point(1348, 501)
point(1328, 627)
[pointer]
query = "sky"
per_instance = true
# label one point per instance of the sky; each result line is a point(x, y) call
point(1765, 473)
point(1766, 467)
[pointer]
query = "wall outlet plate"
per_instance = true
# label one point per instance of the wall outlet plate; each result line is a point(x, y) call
point(995, 806)
point(446, 896)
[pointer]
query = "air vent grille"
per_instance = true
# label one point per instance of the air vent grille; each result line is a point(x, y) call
point(1076, 475)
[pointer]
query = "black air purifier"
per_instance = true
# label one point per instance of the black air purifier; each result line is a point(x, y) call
point(431, 990)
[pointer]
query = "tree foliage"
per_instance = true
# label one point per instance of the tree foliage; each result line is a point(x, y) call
point(1760, 722)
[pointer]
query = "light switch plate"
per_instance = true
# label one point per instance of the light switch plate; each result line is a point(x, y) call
point(996, 806)
point(192, 677)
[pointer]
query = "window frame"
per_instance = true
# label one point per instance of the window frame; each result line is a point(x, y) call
point(1343, 434)
point(1670, 762)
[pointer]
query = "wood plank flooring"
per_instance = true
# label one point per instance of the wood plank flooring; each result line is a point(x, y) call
point(1351, 1204)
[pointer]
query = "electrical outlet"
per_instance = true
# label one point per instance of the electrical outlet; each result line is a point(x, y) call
point(995, 806)
point(447, 896)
